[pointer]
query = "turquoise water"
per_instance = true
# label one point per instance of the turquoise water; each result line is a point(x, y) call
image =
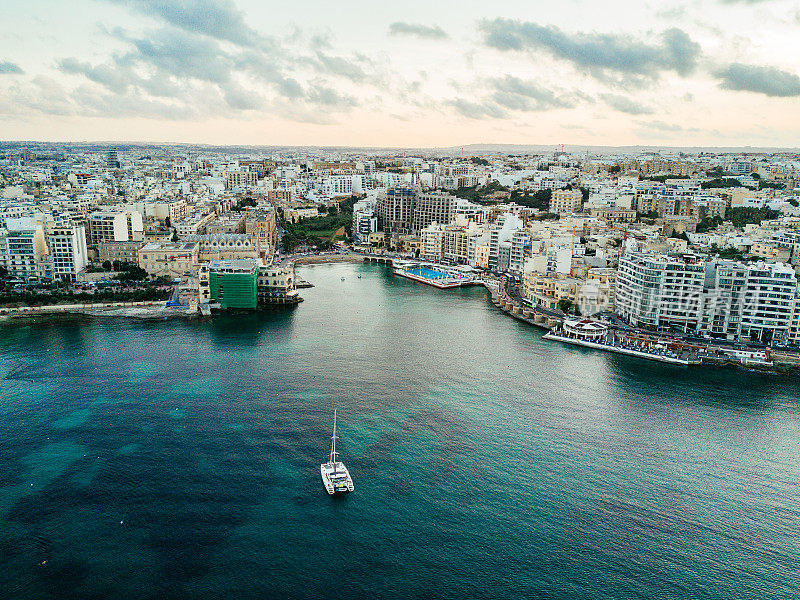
point(428, 273)
point(181, 459)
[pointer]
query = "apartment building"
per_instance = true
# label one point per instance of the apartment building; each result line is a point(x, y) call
point(500, 234)
point(432, 242)
point(658, 290)
point(240, 178)
point(23, 250)
point(365, 221)
point(614, 215)
point(749, 301)
point(275, 284)
point(67, 244)
point(520, 250)
point(194, 225)
point(395, 210)
point(455, 245)
point(337, 185)
point(115, 226)
point(126, 252)
point(432, 207)
point(566, 202)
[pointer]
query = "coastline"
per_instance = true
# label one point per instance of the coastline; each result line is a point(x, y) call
point(785, 361)
point(317, 259)
point(144, 311)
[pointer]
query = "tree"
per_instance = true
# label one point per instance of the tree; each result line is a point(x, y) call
point(107, 265)
point(167, 222)
point(564, 305)
point(720, 183)
point(174, 236)
point(742, 216)
point(708, 223)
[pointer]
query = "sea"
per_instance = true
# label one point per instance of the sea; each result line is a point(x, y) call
point(180, 458)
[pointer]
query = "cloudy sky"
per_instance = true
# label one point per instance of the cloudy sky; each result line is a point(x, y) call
point(412, 73)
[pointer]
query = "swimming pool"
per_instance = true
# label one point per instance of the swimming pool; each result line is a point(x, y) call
point(429, 273)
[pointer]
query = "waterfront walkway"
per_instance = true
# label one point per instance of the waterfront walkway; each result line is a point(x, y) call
point(151, 309)
point(660, 355)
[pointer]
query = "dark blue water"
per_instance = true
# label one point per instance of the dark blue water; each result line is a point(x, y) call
point(181, 459)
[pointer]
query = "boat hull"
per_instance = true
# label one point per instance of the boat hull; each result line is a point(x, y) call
point(336, 478)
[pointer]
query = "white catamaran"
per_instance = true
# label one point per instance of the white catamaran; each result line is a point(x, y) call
point(335, 475)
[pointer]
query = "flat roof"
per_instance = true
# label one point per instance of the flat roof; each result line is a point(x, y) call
point(235, 264)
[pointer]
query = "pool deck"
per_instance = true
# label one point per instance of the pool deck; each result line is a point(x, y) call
point(438, 283)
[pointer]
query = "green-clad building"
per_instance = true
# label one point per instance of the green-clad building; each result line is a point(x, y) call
point(234, 283)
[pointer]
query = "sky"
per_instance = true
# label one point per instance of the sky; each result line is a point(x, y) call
point(433, 73)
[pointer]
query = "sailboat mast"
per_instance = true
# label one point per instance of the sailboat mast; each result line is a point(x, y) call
point(333, 441)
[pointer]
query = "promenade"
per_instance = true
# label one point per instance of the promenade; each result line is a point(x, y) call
point(146, 310)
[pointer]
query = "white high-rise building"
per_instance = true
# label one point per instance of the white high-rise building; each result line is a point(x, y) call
point(365, 221)
point(23, 250)
point(68, 251)
point(502, 231)
point(520, 250)
point(655, 290)
point(752, 301)
point(115, 226)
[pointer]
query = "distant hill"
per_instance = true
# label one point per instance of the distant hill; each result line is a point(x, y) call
point(466, 149)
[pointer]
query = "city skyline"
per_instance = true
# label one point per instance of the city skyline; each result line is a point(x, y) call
point(719, 73)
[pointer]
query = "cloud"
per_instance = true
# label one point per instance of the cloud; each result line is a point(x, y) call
point(171, 71)
point(625, 105)
point(204, 59)
point(597, 53)
point(667, 127)
point(330, 98)
point(241, 99)
point(336, 65)
point(423, 31)
point(519, 94)
point(477, 110)
point(500, 96)
point(9, 68)
point(181, 54)
point(219, 19)
point(769, 81)
point(113, 79)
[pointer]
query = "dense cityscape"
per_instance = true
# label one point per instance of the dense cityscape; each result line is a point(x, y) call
point(420, 300)
point(703, 244)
